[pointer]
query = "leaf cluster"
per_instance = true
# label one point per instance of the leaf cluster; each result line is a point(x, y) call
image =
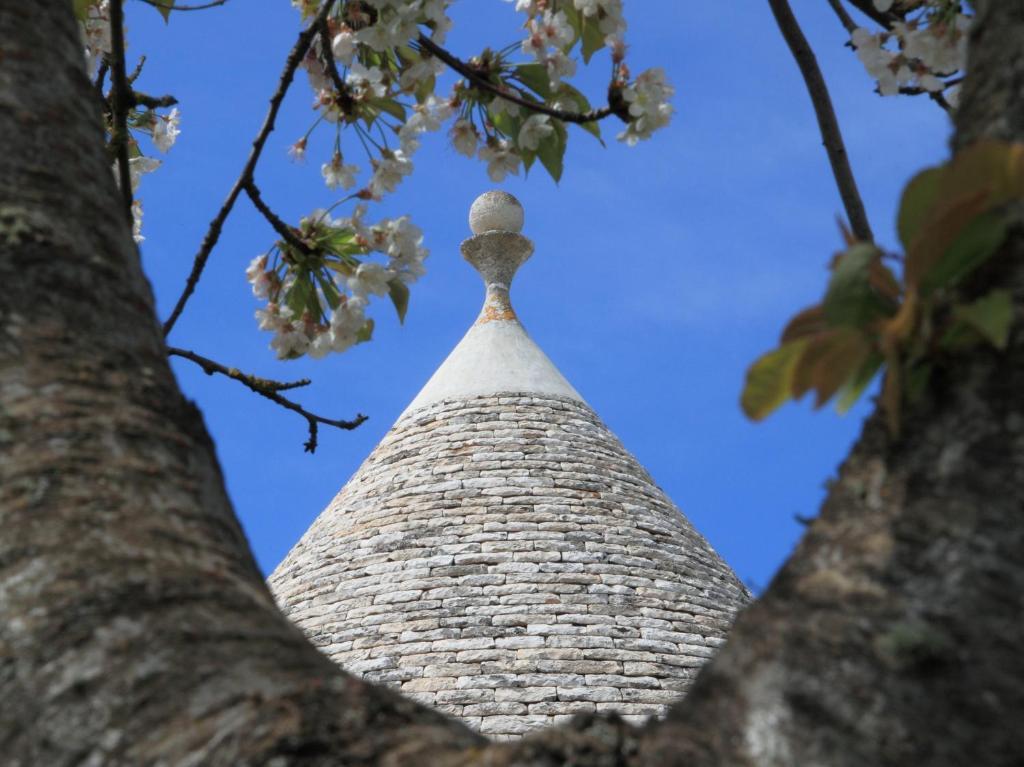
point(951, 221)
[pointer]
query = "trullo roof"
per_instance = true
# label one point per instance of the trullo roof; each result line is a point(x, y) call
point(500, 555)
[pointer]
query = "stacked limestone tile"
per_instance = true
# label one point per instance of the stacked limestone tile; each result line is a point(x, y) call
point(500, 555)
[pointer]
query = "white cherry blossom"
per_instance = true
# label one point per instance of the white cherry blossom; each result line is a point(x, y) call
point(166, 130)
point(464, 137)
point(388, 172)
point(535, 129)
point(336, 173)
point(369, 279)
point(500, 159)
point(258, 277)
point(649, 109)
point(368, 83)
point(343, 46)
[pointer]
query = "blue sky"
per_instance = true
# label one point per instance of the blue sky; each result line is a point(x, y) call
point(660, 271)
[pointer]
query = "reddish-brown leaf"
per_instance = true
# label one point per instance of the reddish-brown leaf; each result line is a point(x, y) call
point(807, 322)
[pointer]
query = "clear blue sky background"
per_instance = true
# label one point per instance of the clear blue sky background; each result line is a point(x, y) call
point(660, 272)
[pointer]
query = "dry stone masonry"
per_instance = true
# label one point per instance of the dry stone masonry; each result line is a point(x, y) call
point(500, 556)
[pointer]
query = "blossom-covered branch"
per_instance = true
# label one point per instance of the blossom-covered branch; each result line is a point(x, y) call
point(102, 27)
point(921, 48)
point(213, 232)
point(507, 94)
point(270, 389)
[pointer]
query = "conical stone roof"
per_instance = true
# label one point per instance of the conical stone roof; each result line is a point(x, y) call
point(500, 555)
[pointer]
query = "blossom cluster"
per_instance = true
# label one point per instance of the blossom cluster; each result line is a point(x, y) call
point(317, 297)
point(162, 129)
point(360, 76)
point(373, 67)
point(649, 109)
point(372, 78)
point(922, 51)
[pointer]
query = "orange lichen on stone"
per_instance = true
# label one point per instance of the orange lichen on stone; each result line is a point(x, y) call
point(492, 312)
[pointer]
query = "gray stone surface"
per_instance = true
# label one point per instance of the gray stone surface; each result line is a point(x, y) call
point(496, 211)
point(504, 559)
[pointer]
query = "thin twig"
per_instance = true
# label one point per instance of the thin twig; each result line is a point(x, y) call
point(506, 93)
point(137, 71)
point(120, 96)
point(867, 7)
point(844, 18)
point(101, 74)
point(937, 96)
point(256, 383)
point(213, 233)
point(152, 102)
point(169, 5)
point(327, 60)
point(269, 388)
point(831, 136)
point(286, 232)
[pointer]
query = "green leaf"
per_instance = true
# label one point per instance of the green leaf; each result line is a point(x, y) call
point(528, 156)
point(851, 299)
point(855, 385)
point(769, 380)
point(535, 77)
point(575, 19)
point(580, 104)
point(593, 38)
point(330, 290)
point(301, 297)
point(594, 129)
point(424, 88)
point(164, 8)
point(976, 243)
point(991, 316)
point(389, 106)
point(341, 242)
point(365, 333)
point(916, 204)
point(504, 122)
point(399, 293)
point(81, 8)
point(551, 150)
point(574, 94)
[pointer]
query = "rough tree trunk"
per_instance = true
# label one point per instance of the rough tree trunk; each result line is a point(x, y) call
point(135, 627)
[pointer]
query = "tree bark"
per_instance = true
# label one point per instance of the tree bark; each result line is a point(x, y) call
point(136, 629)
point(893, 634)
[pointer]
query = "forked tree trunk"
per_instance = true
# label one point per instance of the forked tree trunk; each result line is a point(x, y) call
point(136, 629)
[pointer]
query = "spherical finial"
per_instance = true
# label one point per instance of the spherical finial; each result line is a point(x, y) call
point(496, 211)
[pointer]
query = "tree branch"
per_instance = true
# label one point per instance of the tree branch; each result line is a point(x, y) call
point(213, 233)
point(867, 7)
point(483, 83)
point(120, 98)
point(153, 102)
point(137, 71)
point(831, 136)
point(844, 18)
point(270, 389)
point(287, 233)
point(327, 60)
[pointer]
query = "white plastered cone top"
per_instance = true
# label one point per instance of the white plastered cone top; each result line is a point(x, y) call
point(496, 355)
